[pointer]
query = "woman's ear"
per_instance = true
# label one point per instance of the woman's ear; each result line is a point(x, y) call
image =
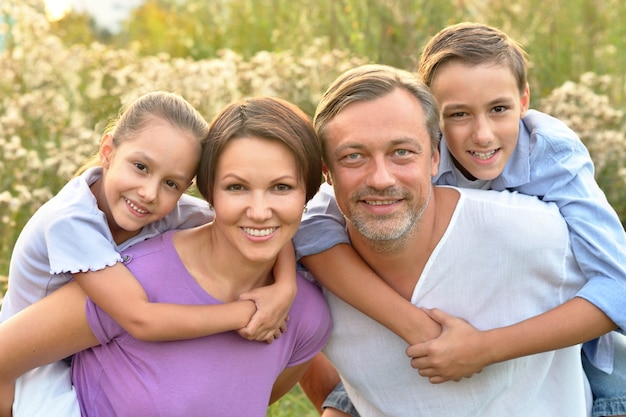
point(106, 149)
point(327, 175)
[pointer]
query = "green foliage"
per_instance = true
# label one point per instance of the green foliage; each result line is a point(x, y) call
point(293, 404)
point(565, 39)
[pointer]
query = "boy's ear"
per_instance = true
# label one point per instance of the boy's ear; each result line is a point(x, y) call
point(106, 149)
point(525, 101)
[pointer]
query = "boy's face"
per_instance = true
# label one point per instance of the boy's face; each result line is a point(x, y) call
point(481, 106)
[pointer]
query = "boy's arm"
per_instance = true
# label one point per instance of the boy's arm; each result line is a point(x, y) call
point(461, 350)
point(273, 301)
point(563, 173)
point(49, 330)
point(116, 291)
point(342, 271)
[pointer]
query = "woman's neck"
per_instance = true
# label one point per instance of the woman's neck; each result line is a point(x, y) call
point(219, 268)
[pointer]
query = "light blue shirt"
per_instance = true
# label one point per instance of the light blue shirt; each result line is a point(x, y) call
point(550, 162)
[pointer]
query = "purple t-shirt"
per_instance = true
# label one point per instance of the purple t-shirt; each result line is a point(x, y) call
point(218, 375)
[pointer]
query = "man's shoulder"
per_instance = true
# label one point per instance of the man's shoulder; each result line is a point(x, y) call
point(507, 201)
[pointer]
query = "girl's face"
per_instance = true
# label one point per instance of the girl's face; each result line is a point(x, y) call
point(258, 197)
point(145, 176)
point(481, 107)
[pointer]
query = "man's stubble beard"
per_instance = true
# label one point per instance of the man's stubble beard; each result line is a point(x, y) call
point(389, 234)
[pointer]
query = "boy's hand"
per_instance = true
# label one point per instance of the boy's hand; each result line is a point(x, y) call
point(457, 353)
point(270, 320)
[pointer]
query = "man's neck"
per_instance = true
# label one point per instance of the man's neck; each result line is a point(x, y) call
point(402, 265)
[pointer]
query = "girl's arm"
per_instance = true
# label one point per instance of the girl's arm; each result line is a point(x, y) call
point(343, 272)
point(273, 301)
point(461, 350)
point(116, 291)
point(49, 330)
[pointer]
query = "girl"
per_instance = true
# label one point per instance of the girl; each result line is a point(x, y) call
point(148, 159)
point(260, 164)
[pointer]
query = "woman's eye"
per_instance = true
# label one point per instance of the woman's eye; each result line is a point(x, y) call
point(235, 187)
point(140, 166)
point(282, 187)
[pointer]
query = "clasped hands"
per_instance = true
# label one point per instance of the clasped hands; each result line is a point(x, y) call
point(458, 352)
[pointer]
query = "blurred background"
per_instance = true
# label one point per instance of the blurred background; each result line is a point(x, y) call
point(66, 67)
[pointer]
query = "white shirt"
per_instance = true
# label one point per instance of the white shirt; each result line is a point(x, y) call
point(504, 257)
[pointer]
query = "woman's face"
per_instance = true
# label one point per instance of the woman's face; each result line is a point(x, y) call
point(258, 197)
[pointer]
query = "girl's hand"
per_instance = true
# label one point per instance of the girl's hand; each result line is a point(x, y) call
point(270, 320)
point(457, 353)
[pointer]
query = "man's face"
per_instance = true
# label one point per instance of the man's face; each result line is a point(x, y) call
point(380, 165)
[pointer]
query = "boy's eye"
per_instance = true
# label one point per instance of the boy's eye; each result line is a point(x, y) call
point(458, 114)
point(499, 109)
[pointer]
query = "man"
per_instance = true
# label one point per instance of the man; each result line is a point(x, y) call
point(493, 259)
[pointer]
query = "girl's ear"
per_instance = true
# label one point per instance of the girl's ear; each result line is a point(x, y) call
point(106, 149)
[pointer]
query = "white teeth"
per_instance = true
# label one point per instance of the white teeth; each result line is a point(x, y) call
point(380, 203)
point(259, 232)
point(481, 155)
point(134, 207)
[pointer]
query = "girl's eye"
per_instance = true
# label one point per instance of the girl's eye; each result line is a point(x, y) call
point(172, 185)
point(140, 166)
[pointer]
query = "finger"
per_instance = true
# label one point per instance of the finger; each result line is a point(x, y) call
point(418, 350)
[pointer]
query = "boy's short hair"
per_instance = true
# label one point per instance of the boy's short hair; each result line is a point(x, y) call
point(473, 44)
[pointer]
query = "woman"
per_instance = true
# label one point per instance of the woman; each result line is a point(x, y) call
point(260, 164)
